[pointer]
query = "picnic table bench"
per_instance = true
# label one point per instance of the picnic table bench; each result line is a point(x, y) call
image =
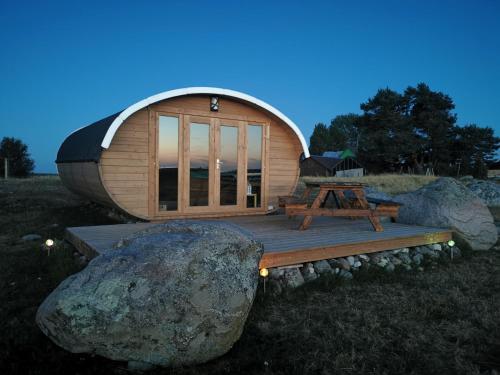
point(350, 201)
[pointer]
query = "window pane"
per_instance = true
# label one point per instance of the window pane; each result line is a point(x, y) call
point(254, 165)
point(198, 168)
point(168, 157)
point(228, 165)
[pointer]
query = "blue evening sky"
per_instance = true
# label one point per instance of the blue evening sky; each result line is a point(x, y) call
point(65, 64)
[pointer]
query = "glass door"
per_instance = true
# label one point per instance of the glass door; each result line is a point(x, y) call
point(198, 179)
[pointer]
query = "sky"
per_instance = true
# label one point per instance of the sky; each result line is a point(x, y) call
point(66, 64)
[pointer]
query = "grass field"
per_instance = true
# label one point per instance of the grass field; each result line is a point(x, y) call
point(445, 320)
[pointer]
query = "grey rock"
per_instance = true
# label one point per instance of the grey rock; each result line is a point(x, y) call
point(351, 260)
point(447, 203)
point(344, 264)
point(376, 257)
point(31, 237)
point(389, 267)
point(396, 261)
point(322, 266)
point(436, 247)
point(357, 264)
point(405, 258)
point(174, 294)
point(371, 192)
point(488, 191)
point(308, 272)
point(383, 262)
point(345, 274)
point(364, 257)
point(276, 273)
point(407, 267)
point(293, 278)
point(417, 258)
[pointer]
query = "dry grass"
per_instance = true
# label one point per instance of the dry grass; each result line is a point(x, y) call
point(392, 184)
point(441, 321)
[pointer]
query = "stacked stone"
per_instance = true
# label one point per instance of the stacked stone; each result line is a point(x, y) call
point(346, 268)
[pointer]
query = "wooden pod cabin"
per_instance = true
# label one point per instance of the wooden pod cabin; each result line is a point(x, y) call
point(194, 152)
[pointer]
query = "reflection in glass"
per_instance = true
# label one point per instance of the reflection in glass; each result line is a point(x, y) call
point(254, 165)
point(198, 164)
point(168, 157)
point(228, 165)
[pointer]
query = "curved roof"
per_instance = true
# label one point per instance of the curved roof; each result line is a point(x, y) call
point(86, 144)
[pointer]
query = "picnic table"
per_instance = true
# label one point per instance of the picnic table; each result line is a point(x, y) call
point(350, 202)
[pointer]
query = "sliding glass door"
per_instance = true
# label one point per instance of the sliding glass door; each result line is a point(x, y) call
point(210, 165)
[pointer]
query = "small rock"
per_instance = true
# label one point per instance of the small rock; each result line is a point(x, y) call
point(417, 258)
point(308, 272)
point(407, 267)
point(351, 260)
point(345, 274)
point(364, 257)
point(344, 264)
point(31, 237)
point(322, 266)
point(436, 247)
point(276, 273)
point(396, 251)
point(396, 261)
point(389, 267)
point(293, 278)
point(375, 257)
point(405, 258)
point(357, 264)
point(383, 262)
point(405, 250)
point(336, 271)
point(420, 269)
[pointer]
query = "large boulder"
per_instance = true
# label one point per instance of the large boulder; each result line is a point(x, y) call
point(448, 203)
point(174, 294)
point(489, 192)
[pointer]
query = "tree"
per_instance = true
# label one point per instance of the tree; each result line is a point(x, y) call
point(344, 132)
point(386, 137)
point(429, 113)
point(320, 139)
point(474, 147)
point(20, 163)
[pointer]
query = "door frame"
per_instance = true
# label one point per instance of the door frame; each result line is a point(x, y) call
point(214, 209)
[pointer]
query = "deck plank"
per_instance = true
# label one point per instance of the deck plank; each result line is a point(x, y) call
point(283, 243)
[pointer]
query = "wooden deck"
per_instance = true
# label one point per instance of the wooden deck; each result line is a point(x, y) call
point(326, 238)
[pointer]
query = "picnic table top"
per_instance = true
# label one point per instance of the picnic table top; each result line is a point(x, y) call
point(335, 184)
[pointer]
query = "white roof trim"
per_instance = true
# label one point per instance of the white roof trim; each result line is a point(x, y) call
point(199, 90)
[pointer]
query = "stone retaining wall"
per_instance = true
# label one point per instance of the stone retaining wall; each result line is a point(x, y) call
point(405, 259)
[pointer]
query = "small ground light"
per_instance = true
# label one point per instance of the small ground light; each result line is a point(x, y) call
point(451, 243)
point(264, 272)
point(49, 243)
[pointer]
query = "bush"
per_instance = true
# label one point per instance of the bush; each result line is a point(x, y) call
point(19, 162)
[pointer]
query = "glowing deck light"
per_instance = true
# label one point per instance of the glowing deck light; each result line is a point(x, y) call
point(264, 272)
point(451, 243)
point(49, 243)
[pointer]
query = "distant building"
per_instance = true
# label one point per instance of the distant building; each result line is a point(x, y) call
point(494, 169)
point(347, 153)
point(320, 166)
